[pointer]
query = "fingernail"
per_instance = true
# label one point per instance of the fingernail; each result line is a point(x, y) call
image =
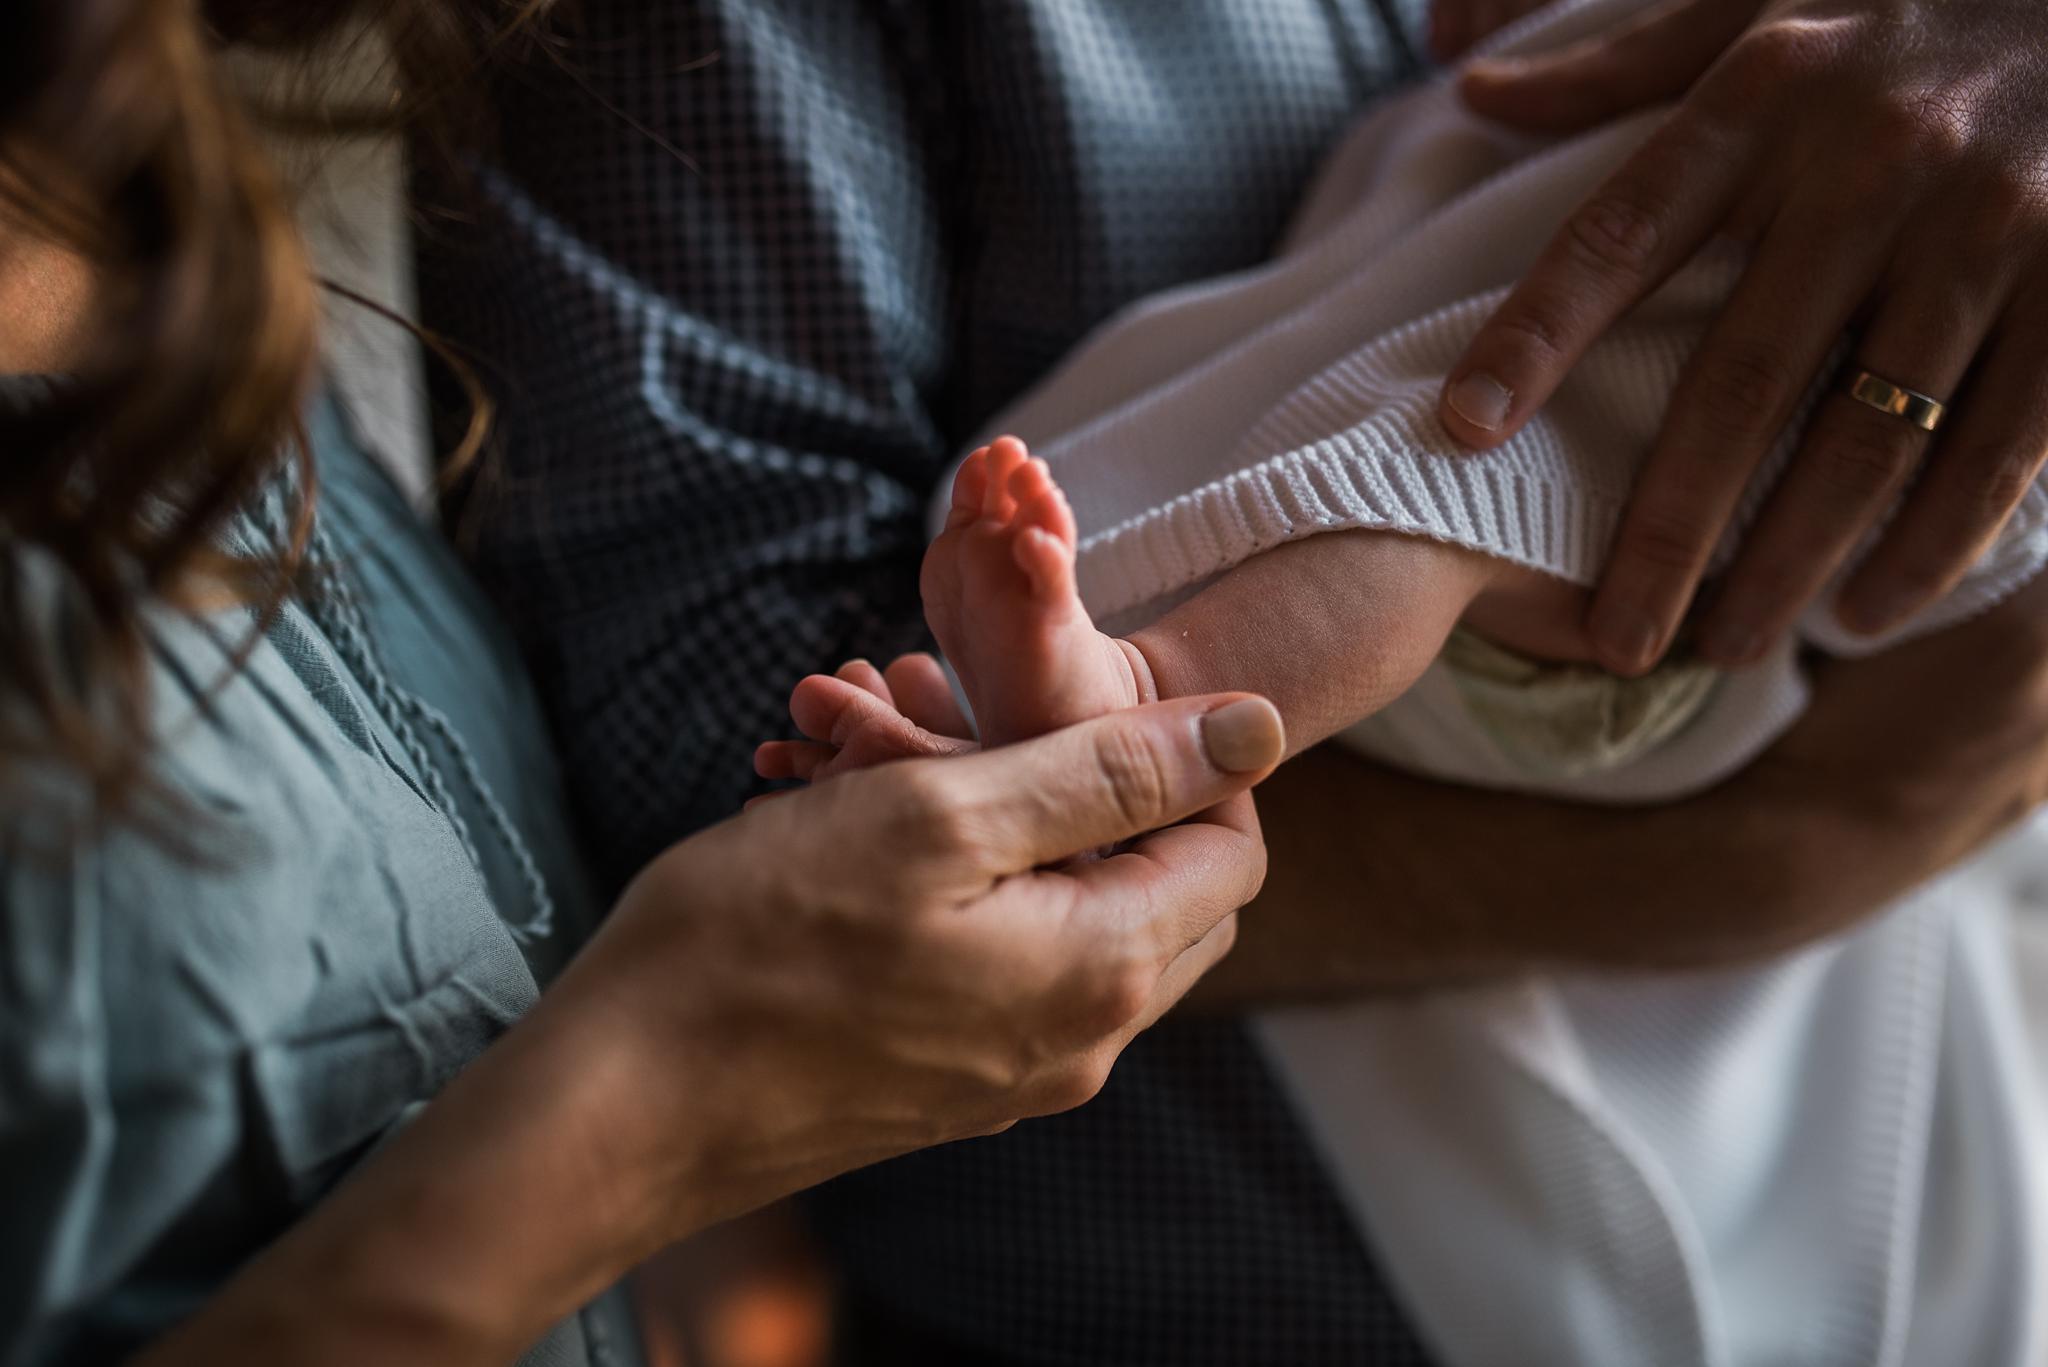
point(1626, 636)
point(1244, 736)
point(1481, 400)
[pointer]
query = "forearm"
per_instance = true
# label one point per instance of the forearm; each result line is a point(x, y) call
point(1904, 764)
point(1382, 882)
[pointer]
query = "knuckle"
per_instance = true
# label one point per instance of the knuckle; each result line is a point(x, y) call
point(2010, 476)
point(1614, 232)
point(2005, 473)
point(1741, 387)
point(1925, 126)
point(1113, 995)
point(1725, 97)
point(1535, 326)
point(1956, 311)
point(1774, 54)
point(1078, 1084)
point(1862, 188)
point(924, 811)
point(1023, 1067)
point(2011, 200)
point(1022, 1059)
point(1127, 993)
point(1666, 542)
point(1861, 462)
point(1134, 775)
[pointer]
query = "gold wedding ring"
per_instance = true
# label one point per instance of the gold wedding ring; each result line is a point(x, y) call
point(1919, 409)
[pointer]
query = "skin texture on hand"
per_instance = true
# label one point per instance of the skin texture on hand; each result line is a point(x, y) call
point(1886, 164)
point(845, 974)
point(1906, 763)
point(1456, 25)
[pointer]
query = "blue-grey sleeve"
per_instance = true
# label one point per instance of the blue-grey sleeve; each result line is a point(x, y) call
point(202, 1031)
point(115, 1114)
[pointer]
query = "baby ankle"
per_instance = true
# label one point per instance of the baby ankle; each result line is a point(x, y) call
point(1144, 682)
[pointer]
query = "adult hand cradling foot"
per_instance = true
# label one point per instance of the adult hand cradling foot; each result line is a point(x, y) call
point(372, 998)
point(849, 973)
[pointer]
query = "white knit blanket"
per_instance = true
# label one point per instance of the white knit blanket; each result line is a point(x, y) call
point(1829, 1159)
point(1204, 425)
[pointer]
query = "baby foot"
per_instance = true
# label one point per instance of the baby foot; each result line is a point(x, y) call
point(999, 594)
point(859, 717)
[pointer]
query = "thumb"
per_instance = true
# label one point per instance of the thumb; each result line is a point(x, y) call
point(1653, 57)
point(1107, 780)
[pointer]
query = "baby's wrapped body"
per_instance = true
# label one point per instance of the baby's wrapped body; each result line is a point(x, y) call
point(1207, 425)
point(1824, 1159)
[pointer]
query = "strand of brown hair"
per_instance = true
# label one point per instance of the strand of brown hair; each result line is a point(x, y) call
point(121, 139)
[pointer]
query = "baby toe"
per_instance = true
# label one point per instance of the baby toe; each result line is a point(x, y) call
point(1049, 511)
point(1046, 561)
point(863, 675)
point(970, 488)
point(791, 759)
point(1028, 481)
point(819, 705)
point(1005, 455)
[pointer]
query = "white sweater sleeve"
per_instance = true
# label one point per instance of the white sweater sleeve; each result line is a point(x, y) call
point(1206, 425)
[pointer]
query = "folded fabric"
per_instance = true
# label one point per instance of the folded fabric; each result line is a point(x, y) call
point(1205, 425)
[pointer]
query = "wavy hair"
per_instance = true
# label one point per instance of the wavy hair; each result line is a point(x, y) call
point(123, 140)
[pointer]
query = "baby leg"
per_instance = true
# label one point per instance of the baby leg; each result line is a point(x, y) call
point(1331, 628)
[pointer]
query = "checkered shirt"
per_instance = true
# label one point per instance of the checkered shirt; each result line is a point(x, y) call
point(742, 276)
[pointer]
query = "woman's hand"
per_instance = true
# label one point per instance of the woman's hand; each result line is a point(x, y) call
point(859, 969)
point(1887, 163)
point(886, 961)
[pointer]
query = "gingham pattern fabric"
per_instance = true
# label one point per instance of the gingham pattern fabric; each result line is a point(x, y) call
point(743, 275)
point(749, 272)
point(1177, 1220)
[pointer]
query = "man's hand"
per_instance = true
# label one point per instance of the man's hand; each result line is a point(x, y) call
point(1886, 161)
point(1455, 26)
